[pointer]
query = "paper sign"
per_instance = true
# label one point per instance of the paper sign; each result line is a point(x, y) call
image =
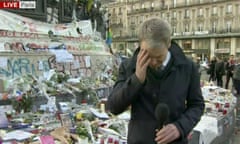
point(40, 65)
point(62, 55)
point(47, 139)
point(17, 135)
point(3, 120)
point(3, 62)
point(99, 114)
point(76, 64)
point(87, 61)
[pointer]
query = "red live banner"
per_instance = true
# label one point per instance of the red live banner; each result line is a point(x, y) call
point(9, 4)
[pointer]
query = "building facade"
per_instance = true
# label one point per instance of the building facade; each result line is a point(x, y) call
point(204, 28)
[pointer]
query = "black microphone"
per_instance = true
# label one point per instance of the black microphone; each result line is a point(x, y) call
point(161, 114)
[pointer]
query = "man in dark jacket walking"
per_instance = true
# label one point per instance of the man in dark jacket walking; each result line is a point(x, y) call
point(159, 72)
point(219, 71)
point(229, 68)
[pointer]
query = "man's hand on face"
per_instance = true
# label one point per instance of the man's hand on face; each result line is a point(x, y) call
point(167, 134)
point(143, 61)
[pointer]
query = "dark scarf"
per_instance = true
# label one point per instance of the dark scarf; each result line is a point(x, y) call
point(158, 74)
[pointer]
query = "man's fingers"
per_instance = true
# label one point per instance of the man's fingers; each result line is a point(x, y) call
point(143, 59)
point(167, 134)
point(166, 137)
point(141, 54)
point(160, 134)
point(141, 65)
point(145, 65)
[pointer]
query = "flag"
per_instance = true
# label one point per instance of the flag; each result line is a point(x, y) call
point(109, 37)
point(89, 5)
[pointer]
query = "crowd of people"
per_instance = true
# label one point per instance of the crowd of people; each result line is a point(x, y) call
point(217, 68)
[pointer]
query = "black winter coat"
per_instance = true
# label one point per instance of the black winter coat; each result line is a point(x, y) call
point(178, 87)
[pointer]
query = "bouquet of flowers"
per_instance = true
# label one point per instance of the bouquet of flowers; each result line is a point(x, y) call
point(22, 102)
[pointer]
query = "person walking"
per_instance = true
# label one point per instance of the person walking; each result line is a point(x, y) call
point(236, 76)
point(211, 69)
point(158, 74)
point(229, 70)
point(219, 71)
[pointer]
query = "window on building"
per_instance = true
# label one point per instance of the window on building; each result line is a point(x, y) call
point(120, 11)
point(214, 10)
point(187, 2)
point(187, 44)
point(186, 28)
point(168, 17)
point(152, 5)
point(40, 7)
point(143, 6)
point(174, 3)
point(163, 15)
point(132, 20)
point(68, 7)
point(200, 27)
point(180, 14)
point(141, 19)
point(174, 29)
point(200, 12)
point(200, 1)
point(120, 21)
point(223, 43)
point(186, 13)
point(214, 27)
point(133, 33)
point(229, 8)
point(239, 9)
point(174, 14)
point(207, 12)
point(229, 26)
point(163, 3)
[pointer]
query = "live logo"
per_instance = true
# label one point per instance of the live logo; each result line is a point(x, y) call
point(11, 5)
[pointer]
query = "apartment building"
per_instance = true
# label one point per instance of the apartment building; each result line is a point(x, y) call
point(203, 28)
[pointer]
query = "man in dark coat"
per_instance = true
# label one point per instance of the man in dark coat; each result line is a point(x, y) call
point(211, 69)
point(159, 72)
point(219, 71)
point(229, 68)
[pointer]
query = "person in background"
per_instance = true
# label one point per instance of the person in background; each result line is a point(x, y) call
point(236, 76)
point(7, 46)
point(219, 71)
point(158, 73)
point(197, 60)
point(229, 69)
point(211, 69)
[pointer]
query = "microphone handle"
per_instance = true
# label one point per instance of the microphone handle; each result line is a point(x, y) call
point(161, 124)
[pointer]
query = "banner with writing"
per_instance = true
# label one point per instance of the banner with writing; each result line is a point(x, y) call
point(12, 22)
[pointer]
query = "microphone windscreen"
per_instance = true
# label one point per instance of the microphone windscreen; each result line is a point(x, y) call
point(161, 114)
